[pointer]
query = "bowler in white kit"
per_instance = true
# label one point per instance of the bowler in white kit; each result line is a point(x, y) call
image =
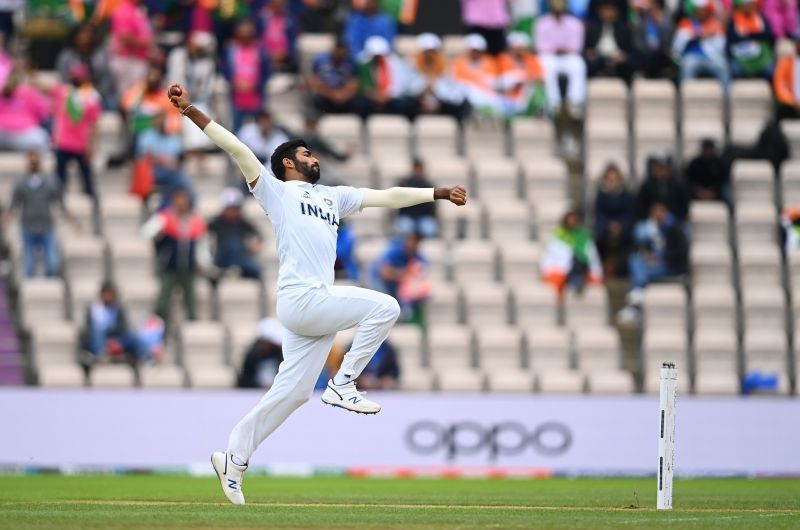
point(306, 217)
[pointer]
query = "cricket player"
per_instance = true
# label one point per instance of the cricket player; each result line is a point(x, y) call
point(306, 217)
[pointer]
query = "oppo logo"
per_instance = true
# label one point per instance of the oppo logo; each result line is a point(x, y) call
point(508, 438)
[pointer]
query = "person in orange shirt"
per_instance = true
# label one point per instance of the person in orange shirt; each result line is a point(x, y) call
point(699, 43)
point(143, 101)
point(439, 93)
point(522, 77)
point(478, 74)
point(786, 83)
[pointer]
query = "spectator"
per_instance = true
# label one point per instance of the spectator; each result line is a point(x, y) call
point(422, 217)
point(488, 18)
point(699, 43)
point(247, 69)
point(164, 152)
point(34, 196)
point(521, 77)
point(653, 31)
point(131, 44)
point(786, 84)
point(262, 136)
point(77, 108)
point(85, 50)
point(707, 175)
point(22, 111)
point(559, 41)
point(261, 361)
point(750, 42)
point(106, 331)
point(440, 94)
point(781, 16)
point(614, 248)
point(613, 204)
point(386, 81)
point(332, 82)
point(346, 265)
point(194, 67)
point(478, 73)
point(608, 47)
point(401, 273)
point(365, 23)
point(662, 248)
point(790, 222)
point(279, 35)
point(383, 371)
point(570, 259)
point(144, 101)
point(181, 251)
point(236, 241)
point(661, 186)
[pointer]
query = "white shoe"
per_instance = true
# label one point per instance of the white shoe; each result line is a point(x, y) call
point(230, 476)
point(348, 397)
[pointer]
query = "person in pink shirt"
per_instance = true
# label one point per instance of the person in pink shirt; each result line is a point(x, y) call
point(76, 108)
point(22, 111)
point(247, 69)
point(488, 18)
point(131, 44)
point(781, 16)
point(279, 35)
point(559, 41)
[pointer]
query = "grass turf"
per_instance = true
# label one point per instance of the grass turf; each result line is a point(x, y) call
point(177, 502)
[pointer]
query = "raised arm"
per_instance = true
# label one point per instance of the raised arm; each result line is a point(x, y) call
point(404, 197)
point(244, 157)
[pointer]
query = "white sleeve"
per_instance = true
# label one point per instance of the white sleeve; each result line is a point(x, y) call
point(248, 162)
point(349, 200)
point(268, 192)
point(153, 227)
point(396, 197)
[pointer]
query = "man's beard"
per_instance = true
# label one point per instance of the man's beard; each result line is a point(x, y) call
point(309, 171)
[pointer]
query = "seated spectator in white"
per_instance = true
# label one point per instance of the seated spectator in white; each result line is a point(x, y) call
point(559, 42)
point(383, 371)
point(194, 66)
point(85, 49)
point(608, 46)
point(402, 273)
point(570, 259)
point(260, 365)
point(786, 85)
point(23, 110)
point(387, 81)
point(369, 21)
point(262, 136)
point(699, 43)
point(750, 41)
point(76, 107)
point(332, 82)
point(439, 94)
point(478, 74)
point(653, 30)
point(613, 204)
point(34, 197)
point(106, 332)
point(422, 217)
point(164, 151)
point(661, 186)
point(662, 248)
point(707, 175)
point(522, 77)
point(235, 240)
point(279, 30)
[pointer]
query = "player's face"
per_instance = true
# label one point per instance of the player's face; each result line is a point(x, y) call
point(307, 165)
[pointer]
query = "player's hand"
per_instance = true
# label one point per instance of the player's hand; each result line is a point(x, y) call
point(179, 102)
point(458, 196)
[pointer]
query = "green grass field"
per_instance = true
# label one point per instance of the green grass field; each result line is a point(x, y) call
point(176, 502)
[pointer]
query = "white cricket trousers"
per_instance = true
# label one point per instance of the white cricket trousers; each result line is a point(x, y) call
point(312, 316)
point(574, 67)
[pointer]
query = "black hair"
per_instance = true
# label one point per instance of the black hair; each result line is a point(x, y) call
point(708, 143)
point(285, 150)
point(263, 114)
point(107, 286)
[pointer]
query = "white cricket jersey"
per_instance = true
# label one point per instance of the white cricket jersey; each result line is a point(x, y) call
point(306, 219)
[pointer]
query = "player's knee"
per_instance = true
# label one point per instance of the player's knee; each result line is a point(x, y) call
point(392, 309)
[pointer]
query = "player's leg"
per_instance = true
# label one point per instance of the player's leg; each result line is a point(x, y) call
point(304, 358)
